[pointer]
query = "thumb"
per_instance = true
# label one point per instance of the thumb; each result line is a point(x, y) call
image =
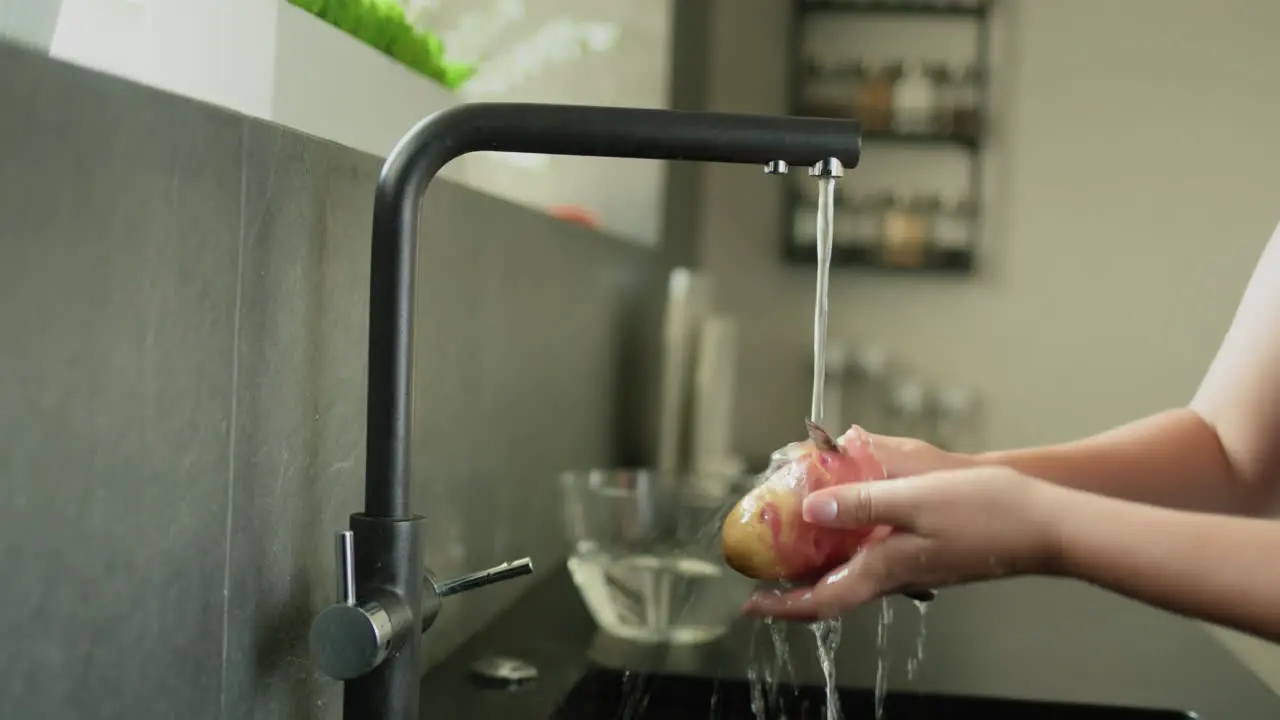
point(884, 502)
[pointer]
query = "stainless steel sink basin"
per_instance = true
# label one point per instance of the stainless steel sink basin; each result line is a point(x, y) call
point(605, 693)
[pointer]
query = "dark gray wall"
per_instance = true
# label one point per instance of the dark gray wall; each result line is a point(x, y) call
point(183, 322)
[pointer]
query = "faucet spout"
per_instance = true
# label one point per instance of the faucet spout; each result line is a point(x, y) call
point(529, 128)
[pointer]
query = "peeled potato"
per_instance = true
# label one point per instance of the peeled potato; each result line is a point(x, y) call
point(764, 537)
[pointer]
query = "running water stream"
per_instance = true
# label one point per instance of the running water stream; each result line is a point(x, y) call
point(826, 633)
point(827, 173)
point(917, 657)
point(764, 676)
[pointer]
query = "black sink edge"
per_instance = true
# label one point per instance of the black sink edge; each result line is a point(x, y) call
point(602, 692)
point(549, 627)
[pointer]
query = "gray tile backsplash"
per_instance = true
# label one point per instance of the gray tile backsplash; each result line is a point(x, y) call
point(119, 235)
point(299, 413)
point(183, 299)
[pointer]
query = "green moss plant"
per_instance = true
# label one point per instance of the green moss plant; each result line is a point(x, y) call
point(382, 24)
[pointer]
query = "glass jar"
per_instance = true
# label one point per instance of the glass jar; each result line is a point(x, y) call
point(905, 233)
point(873, 98)
point(965, 113)
point(946, 82)
point(868, 223)
point(953, 226)
point(927, 207)
point(915, 99)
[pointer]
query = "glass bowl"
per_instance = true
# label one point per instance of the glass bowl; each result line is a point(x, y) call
point(646, 553)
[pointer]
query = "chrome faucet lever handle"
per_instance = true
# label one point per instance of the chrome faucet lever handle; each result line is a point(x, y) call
point(345, 566)
point(433, 591)
point(495, 574)
point(350, 637)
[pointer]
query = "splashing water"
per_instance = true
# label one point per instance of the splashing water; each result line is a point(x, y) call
point(765, 674)
point(755, 683)
point(756, 686)
point(827, 635)
point(781, 661)
point(913, 664)
point(882, 653)
point(635, 691)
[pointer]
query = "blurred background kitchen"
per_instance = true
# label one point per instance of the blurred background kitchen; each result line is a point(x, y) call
point(1058, 206)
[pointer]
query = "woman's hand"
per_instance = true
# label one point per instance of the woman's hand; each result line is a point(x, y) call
point(949, 527)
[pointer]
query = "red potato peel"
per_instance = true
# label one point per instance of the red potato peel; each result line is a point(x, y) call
point(766, 538)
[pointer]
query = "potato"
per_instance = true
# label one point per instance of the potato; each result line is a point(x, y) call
point(764, 536)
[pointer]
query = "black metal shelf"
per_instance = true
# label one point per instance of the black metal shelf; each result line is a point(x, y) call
point(927, 9)
point(937, 261)
point(966, 142)
point(969, 139)
point(933, 138)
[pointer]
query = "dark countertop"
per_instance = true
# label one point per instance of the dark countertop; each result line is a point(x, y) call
point(1034, 639)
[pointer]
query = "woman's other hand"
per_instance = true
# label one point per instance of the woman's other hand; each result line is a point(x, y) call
point(948, 527)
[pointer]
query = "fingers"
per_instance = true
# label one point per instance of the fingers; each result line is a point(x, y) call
point(877, 571)
point(895, 503)
point(902, 457)
point(786, 605)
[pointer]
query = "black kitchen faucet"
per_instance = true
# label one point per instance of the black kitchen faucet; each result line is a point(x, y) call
point(386, 597)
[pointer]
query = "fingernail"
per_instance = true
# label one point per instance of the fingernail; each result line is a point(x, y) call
point(819, 509)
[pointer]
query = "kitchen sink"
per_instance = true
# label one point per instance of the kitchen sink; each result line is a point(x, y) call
point(615, 695)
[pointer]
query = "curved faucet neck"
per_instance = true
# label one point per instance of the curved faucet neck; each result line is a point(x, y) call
point(529, 128)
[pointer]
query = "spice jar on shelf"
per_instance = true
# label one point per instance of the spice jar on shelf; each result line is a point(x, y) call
point(868, 223)
point(966, 116)
point(906, 230)
point(927, 207)
point(874, 96)
point(953, 226)
point(914, 99)
point(945, 82)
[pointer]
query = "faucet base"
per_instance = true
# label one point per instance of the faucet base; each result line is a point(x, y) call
point(388, 564)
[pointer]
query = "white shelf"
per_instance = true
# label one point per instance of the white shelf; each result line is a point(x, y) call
point(333, 86)
point(264, 58)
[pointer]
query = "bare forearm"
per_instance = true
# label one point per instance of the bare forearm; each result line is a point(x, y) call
point(1211, 567)
point(1172, 459)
